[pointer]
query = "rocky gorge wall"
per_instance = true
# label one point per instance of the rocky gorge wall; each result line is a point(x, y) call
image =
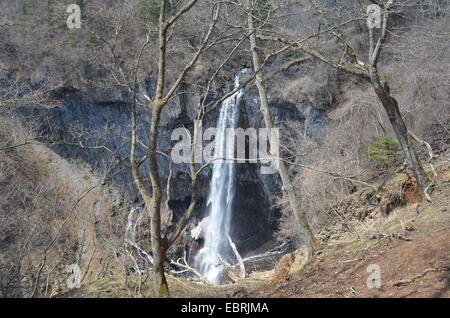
point(86, 123)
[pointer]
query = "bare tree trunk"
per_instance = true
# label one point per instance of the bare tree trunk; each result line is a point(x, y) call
point(158, 246)
point(299, 214)
point(159, 278)
point(159, 243)
point(153, 199)
point(369, 72)
point(390, 103)
point(238, 257)
point(391, 107)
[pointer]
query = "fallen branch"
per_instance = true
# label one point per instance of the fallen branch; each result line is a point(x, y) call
point(420, 275)
point(229, 269)
point(351, 260)
point(181, 262)
point(238, 256)
point(380, 235)
point(273, 252)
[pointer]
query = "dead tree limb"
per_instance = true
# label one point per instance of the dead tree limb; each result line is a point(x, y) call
point(420, 275)
point(380, 235)
point(238, 257)
point(181, 262)
point(430, 157)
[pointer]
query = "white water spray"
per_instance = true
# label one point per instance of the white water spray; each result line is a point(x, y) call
point(221, 193)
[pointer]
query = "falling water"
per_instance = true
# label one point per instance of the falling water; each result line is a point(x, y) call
point(219, 204)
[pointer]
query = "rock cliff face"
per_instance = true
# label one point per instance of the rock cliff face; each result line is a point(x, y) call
point(86, 125)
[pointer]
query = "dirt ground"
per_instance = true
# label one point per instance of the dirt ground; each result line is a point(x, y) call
point(417, 264)
point(342, 271)
point(337, 277)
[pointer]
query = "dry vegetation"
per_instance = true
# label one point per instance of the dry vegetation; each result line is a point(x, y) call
point(332, 166)
point(53, 214)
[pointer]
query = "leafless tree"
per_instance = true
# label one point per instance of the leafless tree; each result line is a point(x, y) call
point(168, 83)
point(351, 62)
point(282, 169)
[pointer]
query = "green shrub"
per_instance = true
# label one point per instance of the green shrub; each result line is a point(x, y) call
point(383, 150)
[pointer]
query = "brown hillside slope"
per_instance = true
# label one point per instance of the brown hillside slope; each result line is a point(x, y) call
point(415, 267)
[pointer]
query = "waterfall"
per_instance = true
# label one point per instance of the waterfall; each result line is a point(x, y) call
point(221, 192)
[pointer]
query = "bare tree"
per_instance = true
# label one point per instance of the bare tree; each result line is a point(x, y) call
point(168, 83)
point(368, 70)
point(294, 201)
